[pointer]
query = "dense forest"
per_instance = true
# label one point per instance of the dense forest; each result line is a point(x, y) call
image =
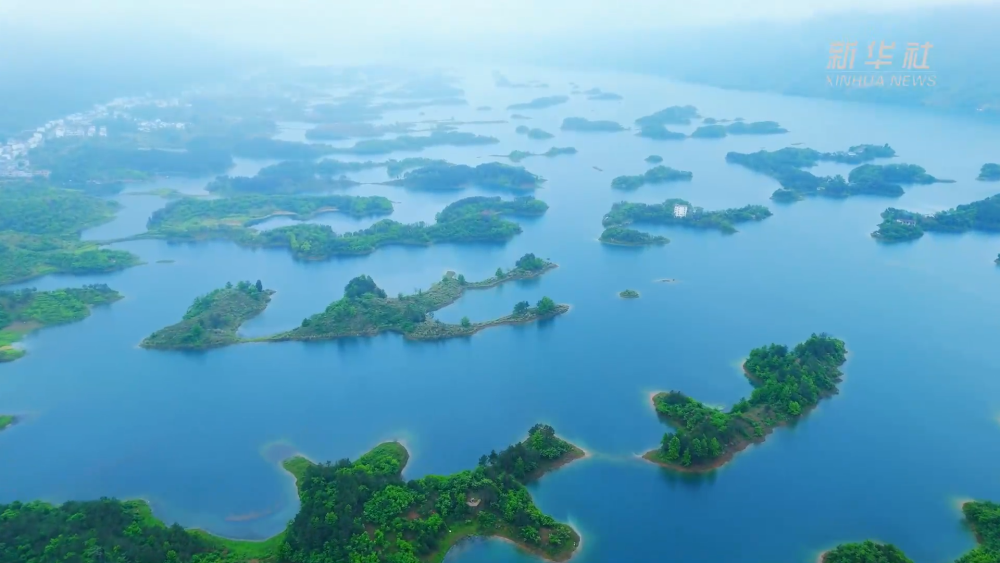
point(586, 125)
point(990, 172)
point(540, 103)
point(655, 175)
point(787, 383)
point(366, 310)
point(292, 177)
point(448, 177)
point(213, 319)
point(682, 213)
point(630, 237)
point(518, 156)
point(25, 310)
point(899, 225)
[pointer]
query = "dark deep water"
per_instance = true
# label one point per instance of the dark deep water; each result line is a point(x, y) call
point(914, 429)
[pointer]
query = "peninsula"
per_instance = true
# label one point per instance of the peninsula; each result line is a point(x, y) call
point(673, 115)
point(787, 384)
point(682, 213)
point(981, 216)
point(533, 133)
point(585, 125)
point(213, 319)
point(350, 511)
point(990, 172)
point(655, 175)
point(518, 156)
point(26, 310)
point(622, 236)
point(366, 310)
point(540, 103)
point(454, 177)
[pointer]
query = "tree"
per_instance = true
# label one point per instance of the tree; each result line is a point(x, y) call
point(260, 286)
point(521, 307)
point(465, 322)
point(794, 408)
point(546, 305)
point(499, 273)
point(461, 279)
point(686, 459)
point(714, 449)
point(674, 449)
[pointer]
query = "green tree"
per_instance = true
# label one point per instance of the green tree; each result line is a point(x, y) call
point(499, 273)
point(546, 305)
point(521, 307)
point(465, 322)
point(714, 449)
point(686, 458)
point(794, 408)
point(461, 279)
point(674, 449)
point(260, 286)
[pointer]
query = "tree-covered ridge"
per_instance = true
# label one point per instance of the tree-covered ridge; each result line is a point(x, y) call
point(682, 213)
point(366, 310)
point(982, 517)
point(990, 172)
point(899, 225)
point(785, 166)
point(518, 156)
point(25, 310)
point(213, 319)
point(39, 209)
point(194, 218)
point(541, 103)
point(412, 143)
point(533, 133)
point(655, 175)
point(292, 177)
point(787, 383)
point(624, 236)
point(365, 512)
point(24, 257)
point(449, 177)
point(673, 115)
point(593, 126)
point(717, 131)
point(660, 133)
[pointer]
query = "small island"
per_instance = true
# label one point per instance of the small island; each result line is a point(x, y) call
point(628, 294)
point(787, 384)
point(659, 133)
point(981, 216)
point(26, 310)
point(622, 236)
point(654, 159)
point(213, 319)
point(401, 521)
point(540, 103)
point(366, 310)
point(655, 175)
point(673, 115)
point(585, 125)
point(453, 177)
point(533, 133)
point(7, 420)
point(518, 156)
point(990, 172)
point(717, 131)
point(410, 143)
point(518, 116)
point(681, 213)
point(292, 177)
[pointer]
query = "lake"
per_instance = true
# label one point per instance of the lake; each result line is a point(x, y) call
point(914, 429)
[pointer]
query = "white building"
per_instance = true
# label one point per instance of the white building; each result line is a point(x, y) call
point(680, 211)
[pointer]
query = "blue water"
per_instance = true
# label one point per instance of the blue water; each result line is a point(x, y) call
point(914, 429)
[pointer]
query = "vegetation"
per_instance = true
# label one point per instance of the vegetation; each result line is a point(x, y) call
point(541, 103)
point(787, 383)
point(628, 294)
point(865, 552)
point(395, 168)
point(673, 115)
point(584, 124)
point(213, 319)
point(899, 225)
point(623, 236)
point(990, 172)
point(714, 131)
point(659, 133)
point(6, 420)
point(602, 96)
point(654, 159)
point(447, 177)
point(655, 175)
point(292, 177)
point(536, 134)
point(409, 143)
point(26, 310)
point(24, 257)
point(682, 213)
point(366, 310)
point(518, 156)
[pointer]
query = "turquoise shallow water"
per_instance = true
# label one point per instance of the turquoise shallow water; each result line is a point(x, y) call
point(914, 429)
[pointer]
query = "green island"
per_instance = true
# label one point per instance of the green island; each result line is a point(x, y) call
point(656, 175)
point(213, 319)
point(452, 177)
point(360, 511)
point(673, 115)
point(981, 517)
point(654, 159)
point(540, 103)
point(898, 225)
point(586, 125)
point(717, 131)
point(292, 177)
point(518, 156)
point(681, 213)
point(40, 230)
point(623, 236)
point(659, 132)
point(7, 420)
point(628, 294)
point(596, 94)
point(366, 310)
point(787, 384)
point(533, 133)
point(990, 172)
point(26, 310)
point(410, 143)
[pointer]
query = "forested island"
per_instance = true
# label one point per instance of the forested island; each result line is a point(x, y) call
point(451, 177)
point(518, 156)
point(787, 384)
point(586, 125)
point(213, 319)
point(785, 166)
point(655, 175)
point(898, 225)
point(40, 230)
point(7, 420)
point(623, 236)
point(673, 115)
point(410, 143)
point(366, 310)
point(350, 511)
point(292, 177)
point(533, 133)
point(27, 310)
point(716, 131)
point(596, 94)
point(628, 294)
point(682, 213)
point(541, 103)
point(660, 133)
point(654, 159)
point(990, 172)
